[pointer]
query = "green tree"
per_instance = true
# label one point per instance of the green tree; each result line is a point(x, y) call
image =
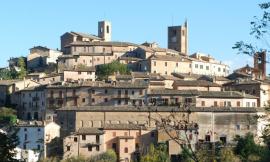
point(8, 143)
point(227, 155)
point(22, 66)
point(103, 71)
point(7, 116)
point(7, 74)
point(248, 150)
point(108, 156)
point(156, 154)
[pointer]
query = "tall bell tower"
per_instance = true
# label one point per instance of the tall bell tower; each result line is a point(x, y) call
point(105, 30)
point(178, 38)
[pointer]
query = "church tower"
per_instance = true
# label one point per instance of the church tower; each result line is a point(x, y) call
point(105, 30)
point(178, 38)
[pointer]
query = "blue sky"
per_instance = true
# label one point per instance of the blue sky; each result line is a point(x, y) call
point(214, 26)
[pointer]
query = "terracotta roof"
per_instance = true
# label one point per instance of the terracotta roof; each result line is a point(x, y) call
point(158, 109)
point(112, 43)
point(195, 83)
point(173, 92)
point(224, 94)
point(123, 127)
point(81, 69)
point(85, 35)
point(169, 58)
point(87, 130)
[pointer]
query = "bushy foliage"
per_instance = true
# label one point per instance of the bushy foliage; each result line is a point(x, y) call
point(156, 154)
point(7, 115)
point(248, 150)
point(103, 71)
point(8, 74)
point(22, 73)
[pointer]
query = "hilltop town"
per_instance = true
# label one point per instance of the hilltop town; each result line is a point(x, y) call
point(95, 94)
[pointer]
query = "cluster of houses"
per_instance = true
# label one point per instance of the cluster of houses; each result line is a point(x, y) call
point(61, 99)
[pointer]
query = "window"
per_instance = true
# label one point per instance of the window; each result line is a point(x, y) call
point(25, 129)
point(51, 94)
point(24, 146)
point(248, 104)
point(89, 148)
point(126, 101)
point(97, 148)
point(126, 140)
point(75, 139)
point(126, 150)
point(215, 103)
point(97, 139)
point(126, 133)
point(137, 146)
point(152, 134)
point(114, 134)
point(219, 69)
point(165, 63)
point(253, 104)
point(105, 99)
point(38, 130)
point(132, 92)
point(207, 67)
point(108, 29)
point(203, 103)
point(166, 73)
point(74, 92)
point(224, 70)
point(207, 138)
point(238, 103)
point(177, 64)
point(97, 59)
point(190, 136)
point(83, 137)
point(223, 140)
point(126, 92)
point(119, 102)
point(38, 147)
point(141, 92)
point(119, 92)
point(93, 100)
point(68, 148)
point(114, 146)
point(201, 66)
point(60, 94)
point(83, 99)
point(89, 73)
point(155, 63)
point(25, 136)
point(79, 73)
point(237, 127)
point(248, 127)
point(196, 66)
point(190, 65)
point(105, 91)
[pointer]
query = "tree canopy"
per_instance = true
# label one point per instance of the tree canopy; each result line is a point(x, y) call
point(103, 71)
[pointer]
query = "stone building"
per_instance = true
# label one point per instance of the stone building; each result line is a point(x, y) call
point(252, 87)
point(8, 89)
point(200, 85)
point(167, 97)
point(95, 93)
point(32, 103)
point(178, 38)
point(203, 64)
point(215, 123)
point(41, 57)
point(80, 74)
point(86, 142)
point(127, 140)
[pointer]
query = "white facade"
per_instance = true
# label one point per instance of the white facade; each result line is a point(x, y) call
point(33, 138)
point(209, 68)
